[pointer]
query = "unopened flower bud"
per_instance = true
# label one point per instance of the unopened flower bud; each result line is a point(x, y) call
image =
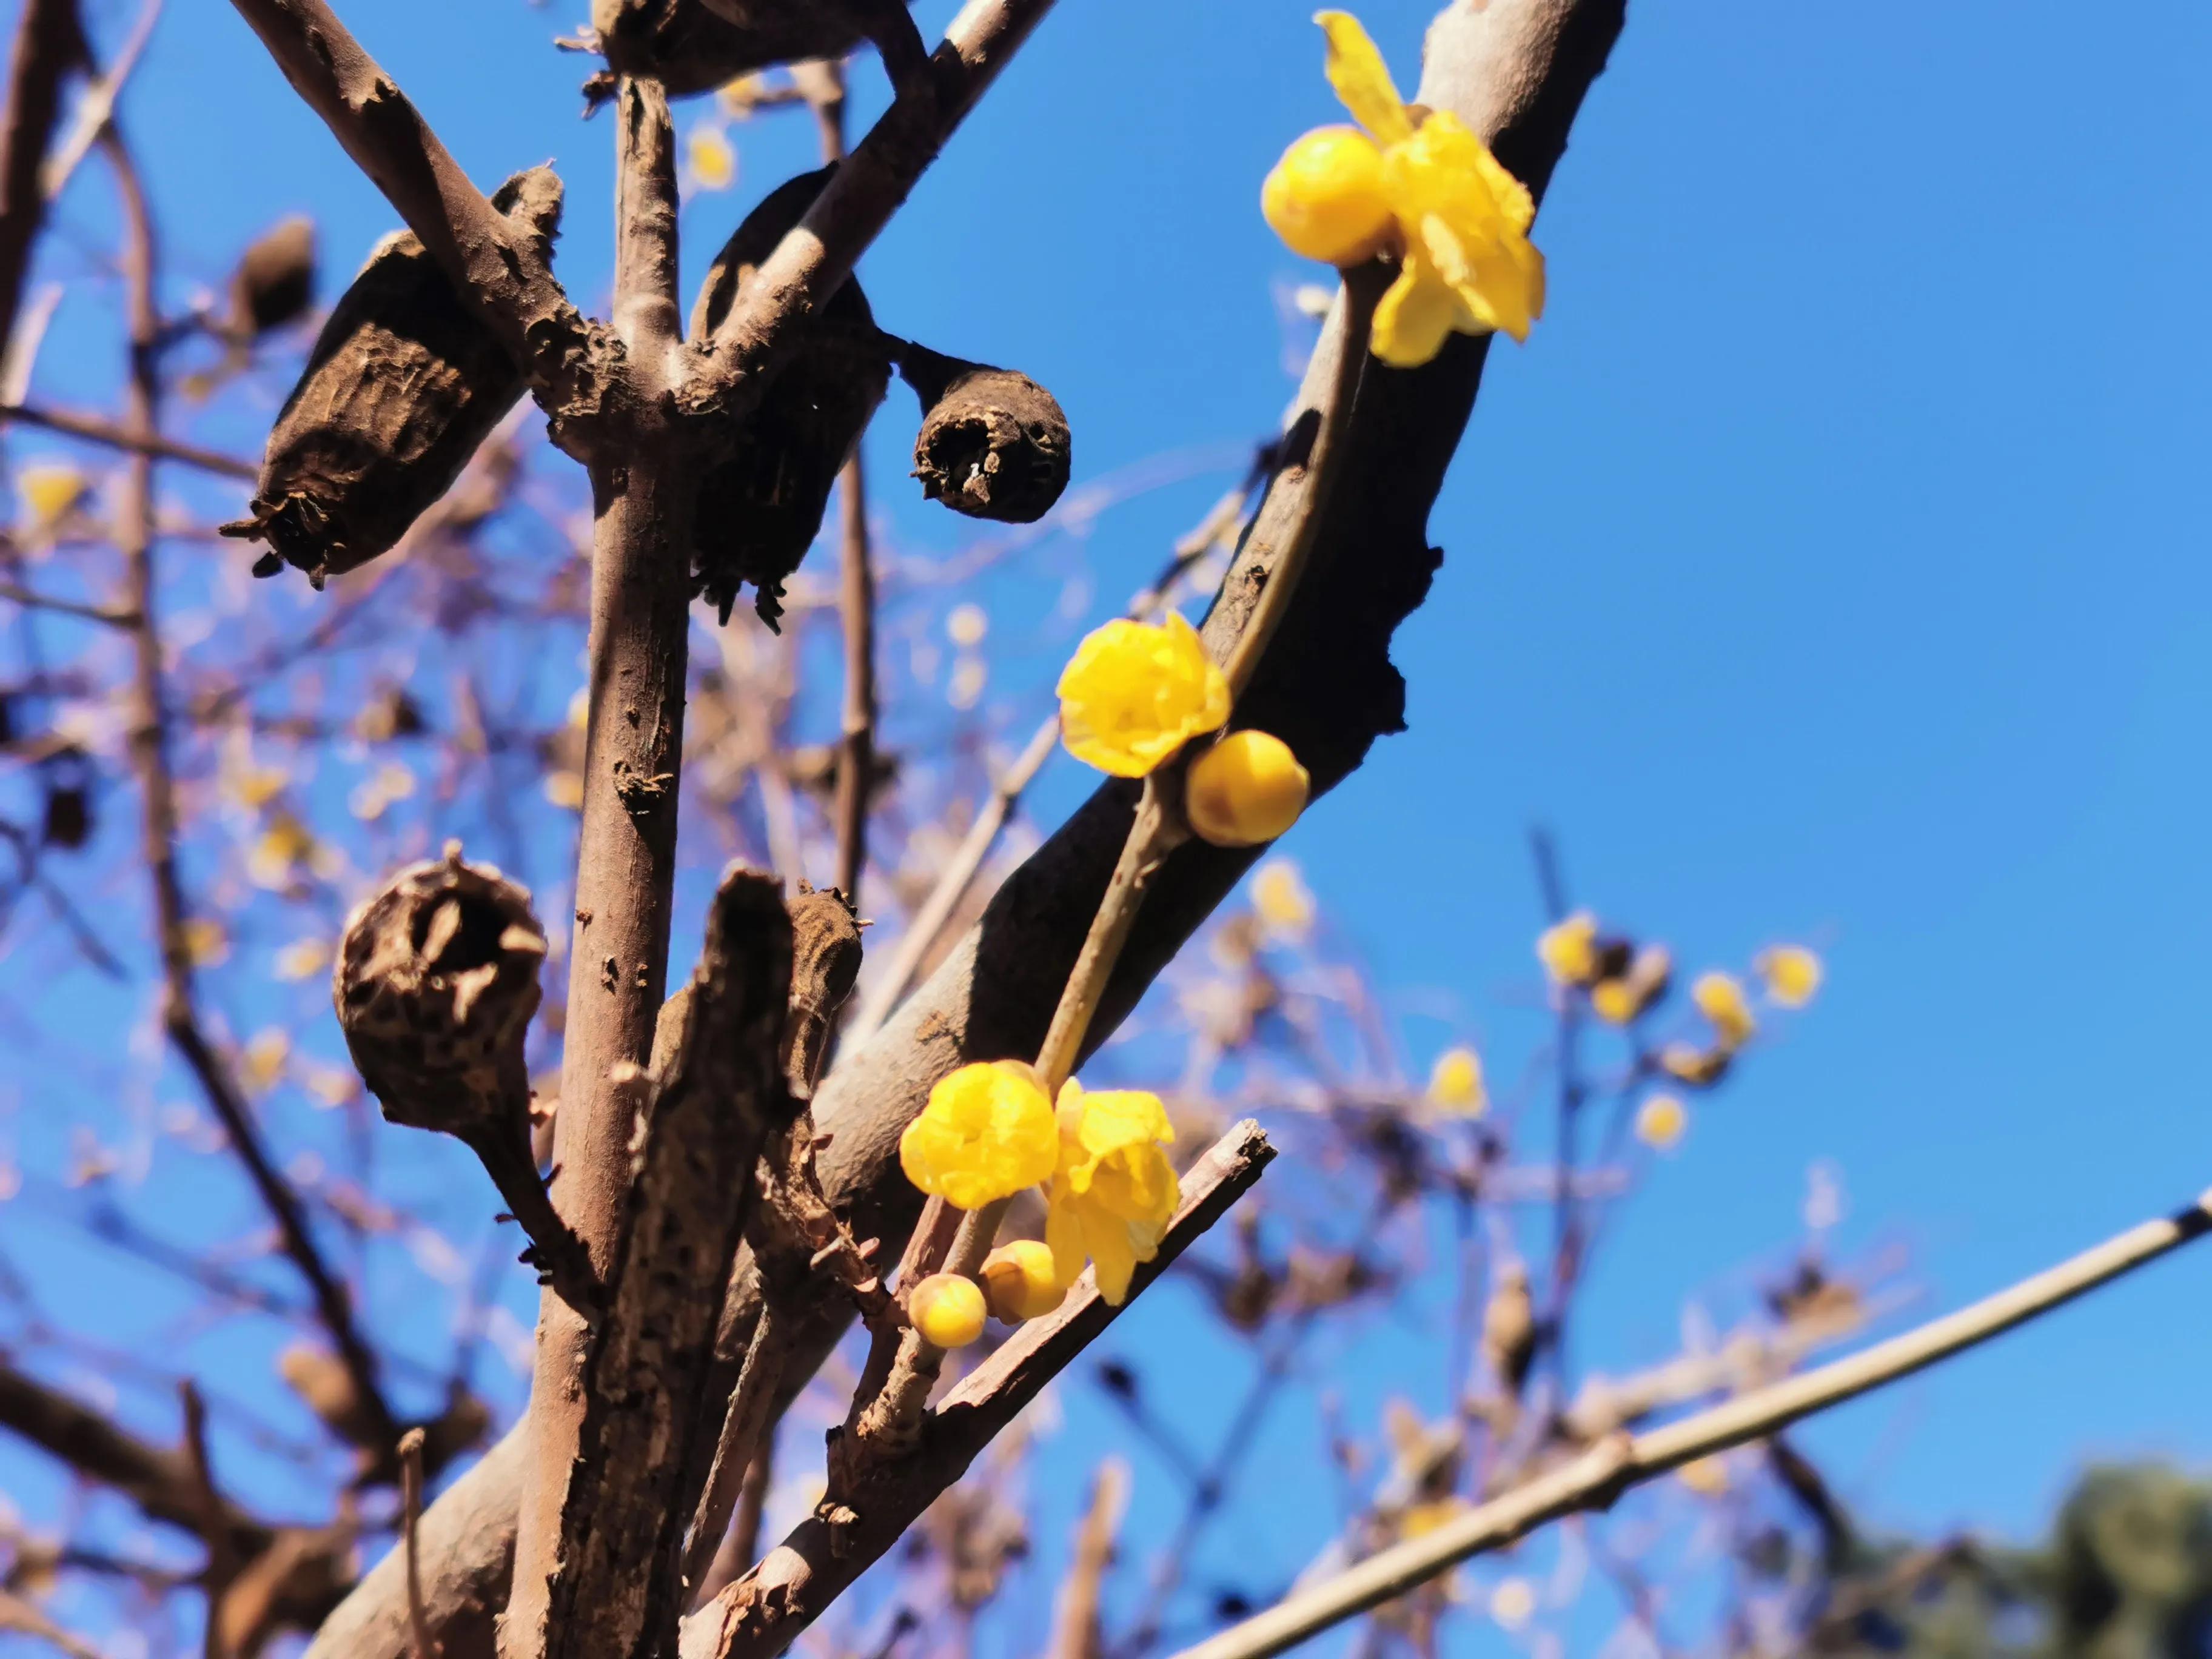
point(1247, 789)
point(1020, 1281)
point(947, 1309)
point(1325, 197)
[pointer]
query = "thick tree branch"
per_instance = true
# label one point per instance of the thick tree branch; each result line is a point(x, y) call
point(1594, 1479)
point(761, 1614)
point(495, 262)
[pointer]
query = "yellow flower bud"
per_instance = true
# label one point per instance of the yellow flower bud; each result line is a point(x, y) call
point(1247, 789)
point(1325, 199)
point(1660, 1122)
point(1568, 949)
point(947, 1309)
point(1720, 998)
point(1019, 1281)
point(1791, 972)
point(1456, 1084)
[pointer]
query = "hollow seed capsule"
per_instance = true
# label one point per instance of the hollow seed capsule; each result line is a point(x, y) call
point(993, 443)
point(403, 384)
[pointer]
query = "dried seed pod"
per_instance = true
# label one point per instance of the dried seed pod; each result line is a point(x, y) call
point(825, 960)
point(435, 983)
point(692, 47)
point(762, 497)
point(993, 444)
point(403, 385)
point(274, 282)
point(67, 775)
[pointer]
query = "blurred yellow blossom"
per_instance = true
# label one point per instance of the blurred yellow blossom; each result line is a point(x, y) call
point(947, 1309)
point(205, 943)
point(966, 625)
point(252, 786)
point(1460, 221)
point(1114, 1191)
point(1513, 1603)
point(1245, 790)
point(1134, 693)
point(711, 159)
point(1621, 998)
point(986, 1132)
point(1791, 972)
point(1021, 1280)
point(1720, 999)
point(1456, 1084)
point(1708, 1477)
point(286, 846)
point(1281, 900)
point(971, 674)
point(739, 97)
point(261, 1063)
point(1567, 948)
point(49, 491)
point(565, 789)
point(302, 959)
point(1699, 1067)
point(389, 782)
point(1660, 1122)
point(1421, 1519)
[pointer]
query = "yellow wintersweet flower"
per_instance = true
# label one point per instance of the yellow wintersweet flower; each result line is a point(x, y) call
point(1134, 693)
point(1660, 1122)
point(1708, 1477)
point(1699, 1067)
point(1567, 948)
point(713, 162)
point(49, 490)
point(1116, 1191)
point(986, 1132)
point(1791, 972)
point(205, 943)
point(261, 1063)
point(565, 789)
point(1720, 999)
point(1022, 1282)
point(1513, 1603)
point(1461, 219)
point(1281, 899)
point(302, 959)
point(947, 1309)
point(1456, 1084)
point(1245, 790)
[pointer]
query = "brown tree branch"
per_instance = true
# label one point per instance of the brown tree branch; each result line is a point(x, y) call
point(798, 280)
point(493, 262)
point(1597, 1478)
point(49, 43)
point(162, 829)
point(92, 430)
point(762, 1612)
point(642, 491)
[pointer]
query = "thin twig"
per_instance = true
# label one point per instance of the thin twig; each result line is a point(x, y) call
point(149, 750)
point(92, 430)
point(411, 1526)
point(97, 105)
point(1596, 1479)
point(1075, 1611)
point(222, 1562)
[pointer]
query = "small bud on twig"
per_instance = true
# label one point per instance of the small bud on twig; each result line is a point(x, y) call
point(993, 443)
point(436, 984)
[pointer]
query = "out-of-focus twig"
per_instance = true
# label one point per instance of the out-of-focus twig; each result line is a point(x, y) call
point(49, 43)
point(92, 430)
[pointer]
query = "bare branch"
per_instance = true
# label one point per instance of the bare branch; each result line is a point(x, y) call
point(1594, 1479)
point(92, 430)
point(49, 43)
point(496, 264)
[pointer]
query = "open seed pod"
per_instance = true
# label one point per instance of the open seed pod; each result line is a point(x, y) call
point(993, 443)
point(403, 385)
point(763, 493)
point(436, 984)
point(692, 47)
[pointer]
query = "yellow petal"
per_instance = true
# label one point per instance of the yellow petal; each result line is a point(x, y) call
point(1413, 317)
point(1361, 78)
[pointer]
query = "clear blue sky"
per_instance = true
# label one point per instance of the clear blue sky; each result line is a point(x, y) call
point(1828, 565)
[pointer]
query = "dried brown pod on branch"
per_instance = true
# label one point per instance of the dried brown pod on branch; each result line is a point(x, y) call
point(766, 487)
point(435, 983)
point(403, 384)
point(274, 282)
point(993, 443)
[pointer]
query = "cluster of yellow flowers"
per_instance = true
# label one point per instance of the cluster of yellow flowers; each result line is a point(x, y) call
point(989, 1131)
point(1135, 693)
point(1623, 981)
point(1418, 184)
